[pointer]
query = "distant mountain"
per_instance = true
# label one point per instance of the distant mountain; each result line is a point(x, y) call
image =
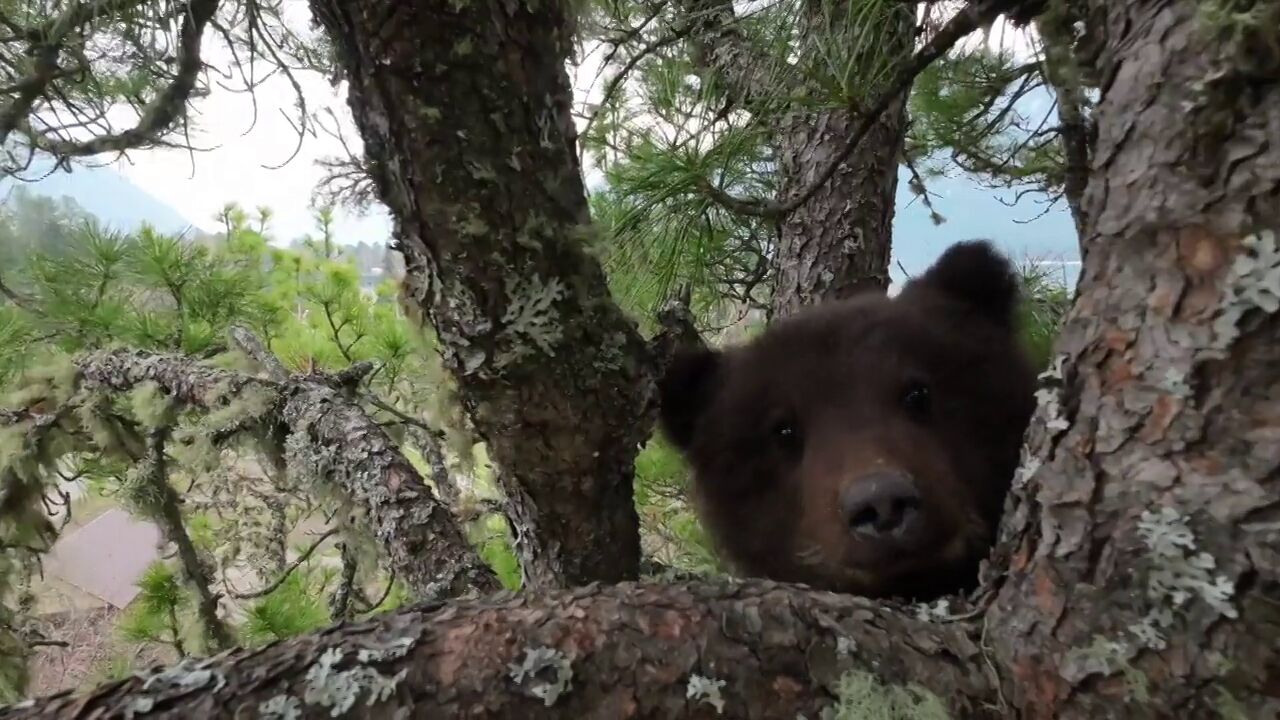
point(970, 210)
point(105, 193)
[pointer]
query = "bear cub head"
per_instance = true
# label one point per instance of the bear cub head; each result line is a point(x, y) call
point(863, 445)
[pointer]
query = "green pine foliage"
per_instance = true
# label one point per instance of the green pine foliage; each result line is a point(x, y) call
point(161, 611)
point(96, 288)
point(296, 607)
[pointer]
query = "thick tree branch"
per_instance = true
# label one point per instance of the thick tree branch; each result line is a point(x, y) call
point(158, 115)
point(735, 650)
point(972, 16)
point(421, 538)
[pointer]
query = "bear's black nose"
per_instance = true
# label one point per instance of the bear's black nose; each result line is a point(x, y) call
point(881, 503)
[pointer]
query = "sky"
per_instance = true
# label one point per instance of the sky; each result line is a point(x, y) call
point(238, 155)
point(235, 163)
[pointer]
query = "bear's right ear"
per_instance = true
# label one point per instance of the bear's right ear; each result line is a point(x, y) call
point(976, 274)
point(685, 391)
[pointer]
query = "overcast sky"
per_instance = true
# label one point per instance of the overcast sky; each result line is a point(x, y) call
point(236, 167)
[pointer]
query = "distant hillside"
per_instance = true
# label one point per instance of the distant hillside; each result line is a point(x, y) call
point(972, 211)
point(106, 194)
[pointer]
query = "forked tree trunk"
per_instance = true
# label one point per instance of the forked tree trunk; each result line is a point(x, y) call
point(1139, 565)
point(464, 112)
point(1144, 552)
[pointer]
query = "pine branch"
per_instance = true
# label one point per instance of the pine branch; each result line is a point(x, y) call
point(158, 115)
point(422, 540)
point(973, 16)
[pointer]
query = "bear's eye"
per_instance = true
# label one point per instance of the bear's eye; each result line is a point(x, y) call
point(785, 433)
point(916, 400)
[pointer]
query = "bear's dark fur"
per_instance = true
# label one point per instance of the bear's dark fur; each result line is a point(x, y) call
point(864, 445)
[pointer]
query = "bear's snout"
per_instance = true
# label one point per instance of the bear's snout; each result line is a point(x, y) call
point(883, 506)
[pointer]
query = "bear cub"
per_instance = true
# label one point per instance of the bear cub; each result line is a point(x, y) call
point(863, 445)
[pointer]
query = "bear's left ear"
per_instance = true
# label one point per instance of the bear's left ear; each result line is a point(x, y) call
point(684, 391)
point(976, 274)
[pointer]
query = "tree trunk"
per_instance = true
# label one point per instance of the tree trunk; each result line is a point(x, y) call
point(838, 243)
point(1144, 548)
point(464, 111)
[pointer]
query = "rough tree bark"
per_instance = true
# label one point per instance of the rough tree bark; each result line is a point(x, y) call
point(464, 112)
point(1144, 551)
point(1139, 562)
point(765, 651)
point(422, 540)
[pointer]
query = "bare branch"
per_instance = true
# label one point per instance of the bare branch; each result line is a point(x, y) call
point(158, 115)
point(284, 575)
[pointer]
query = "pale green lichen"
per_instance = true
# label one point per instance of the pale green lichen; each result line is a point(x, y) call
point(151, 406)
point(338, 690)
point(939, 610)
point(474, 226)
point(280, 707)
point(846, 646)
point(706, 690)
point(1253, 283)
point(531, 322)
point(1049, 395)
point(536, 660)
point(188, 675)
point(861, 695)
point(1175, 382)
point(1177, 575)
point(1180, 573)
point(393, 650)
point(140, 705)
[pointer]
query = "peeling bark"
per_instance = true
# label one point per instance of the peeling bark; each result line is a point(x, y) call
point(631, 649)
point(1168, 402)
point(422, 540)
point(464, 112)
